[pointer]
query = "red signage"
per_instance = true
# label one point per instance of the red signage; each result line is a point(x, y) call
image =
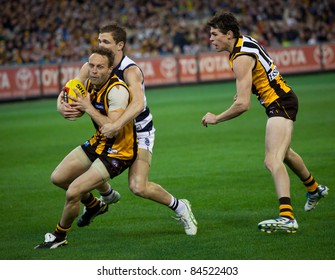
point(297, 59)
point(214, 67)
point(159, 71)
point(21, 82)
point(33, 81)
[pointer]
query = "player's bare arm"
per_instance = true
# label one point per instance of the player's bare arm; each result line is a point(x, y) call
point(118, 96)
point(83, 73)
point(133, 78)
point(242, 66)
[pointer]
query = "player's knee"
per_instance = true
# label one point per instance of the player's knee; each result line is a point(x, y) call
point(138, 189)
point(74, 193)
point(54, 178)
point(57, 180)
point(268, 163)
point(273, 164)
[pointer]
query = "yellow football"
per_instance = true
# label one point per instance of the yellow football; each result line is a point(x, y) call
point(68, 89)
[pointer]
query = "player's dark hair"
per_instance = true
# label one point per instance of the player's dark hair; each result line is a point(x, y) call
point(105, 52)
point(119, 34)
point(225, 21)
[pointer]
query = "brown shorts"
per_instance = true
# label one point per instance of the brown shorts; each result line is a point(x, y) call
point(285, 106)
point(114, 166)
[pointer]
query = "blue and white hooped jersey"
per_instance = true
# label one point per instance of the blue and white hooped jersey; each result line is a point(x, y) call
point(143, 121)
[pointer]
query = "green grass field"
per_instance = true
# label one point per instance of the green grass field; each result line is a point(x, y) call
point(219, 169)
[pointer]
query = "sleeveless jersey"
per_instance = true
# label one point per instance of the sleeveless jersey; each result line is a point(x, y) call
point(124, 145)
point(143, 121)
point(267, 83)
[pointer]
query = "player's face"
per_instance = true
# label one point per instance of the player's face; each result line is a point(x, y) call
point(106, 40)
point(99, 71)
point(218, 40)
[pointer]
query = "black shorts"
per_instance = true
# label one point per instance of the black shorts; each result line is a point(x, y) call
point(285, 106)
point(114, 166)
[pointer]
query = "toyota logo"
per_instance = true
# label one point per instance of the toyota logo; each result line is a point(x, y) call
point(24, 79)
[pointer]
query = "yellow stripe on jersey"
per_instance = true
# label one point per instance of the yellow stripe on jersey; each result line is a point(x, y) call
point(267, 83)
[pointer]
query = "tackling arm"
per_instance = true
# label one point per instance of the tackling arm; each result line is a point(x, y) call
point(118, 101)
point(133, 78)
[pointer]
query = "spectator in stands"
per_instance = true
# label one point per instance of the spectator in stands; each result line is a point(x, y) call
point(56, 32)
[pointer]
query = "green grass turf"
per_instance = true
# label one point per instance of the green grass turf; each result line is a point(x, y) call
point(219, 169)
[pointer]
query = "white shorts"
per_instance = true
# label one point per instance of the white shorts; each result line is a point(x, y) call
point(146, 140)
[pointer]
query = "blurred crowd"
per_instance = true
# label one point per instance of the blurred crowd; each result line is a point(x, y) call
point(61, 31)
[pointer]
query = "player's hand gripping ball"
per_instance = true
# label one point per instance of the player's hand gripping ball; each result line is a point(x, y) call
point(68, 89)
